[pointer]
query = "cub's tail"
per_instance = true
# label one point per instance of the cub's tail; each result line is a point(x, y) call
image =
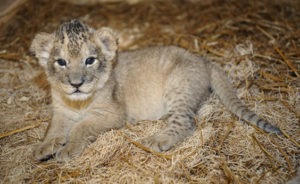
point(224, 89)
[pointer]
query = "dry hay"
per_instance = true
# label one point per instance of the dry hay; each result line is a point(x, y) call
point(257, 43)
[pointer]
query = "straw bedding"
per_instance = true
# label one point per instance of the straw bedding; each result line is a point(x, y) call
point(256, 42)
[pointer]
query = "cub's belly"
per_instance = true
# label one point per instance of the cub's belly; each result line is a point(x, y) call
point(144, 105)
point(144, 110)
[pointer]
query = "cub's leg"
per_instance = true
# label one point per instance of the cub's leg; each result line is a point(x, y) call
point(182, 100)
point(55, 137)
point(180, 124)
point(87, 130)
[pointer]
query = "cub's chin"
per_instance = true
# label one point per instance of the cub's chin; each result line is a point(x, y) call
point(78, 96)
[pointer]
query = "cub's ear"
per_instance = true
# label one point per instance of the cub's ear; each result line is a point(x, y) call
point(41, 47)
point(107, 40)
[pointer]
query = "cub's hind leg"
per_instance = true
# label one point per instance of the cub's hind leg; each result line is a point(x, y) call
point(179, 126)
point(182, 103)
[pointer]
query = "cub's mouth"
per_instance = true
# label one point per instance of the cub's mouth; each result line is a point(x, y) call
point(78, 95)
point(77, 91)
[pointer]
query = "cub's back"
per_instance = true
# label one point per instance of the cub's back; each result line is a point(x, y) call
point(142, 75)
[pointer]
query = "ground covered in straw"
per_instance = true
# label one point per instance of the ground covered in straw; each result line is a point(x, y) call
point(256, 42)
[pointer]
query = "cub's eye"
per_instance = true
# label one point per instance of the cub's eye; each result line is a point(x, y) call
point(61, 62)
point(90, 61)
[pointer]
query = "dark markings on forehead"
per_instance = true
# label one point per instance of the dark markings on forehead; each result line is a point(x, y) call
point(76, 32)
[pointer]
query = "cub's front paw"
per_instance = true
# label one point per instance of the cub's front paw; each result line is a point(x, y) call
point(69, 151)
point(47, 149)
point(159, 142)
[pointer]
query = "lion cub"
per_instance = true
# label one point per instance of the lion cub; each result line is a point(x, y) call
point(94, 89)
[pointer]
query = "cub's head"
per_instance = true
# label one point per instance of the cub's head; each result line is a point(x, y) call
point(77, 59)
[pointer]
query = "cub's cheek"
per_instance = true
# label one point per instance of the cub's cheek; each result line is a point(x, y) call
point(60, 87)
point(89, 87)
point(67, 88)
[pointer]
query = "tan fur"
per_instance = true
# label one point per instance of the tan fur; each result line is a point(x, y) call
point(169, 83)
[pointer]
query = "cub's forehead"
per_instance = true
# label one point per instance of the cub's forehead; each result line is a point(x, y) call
point(72, 35)
point(73, 30)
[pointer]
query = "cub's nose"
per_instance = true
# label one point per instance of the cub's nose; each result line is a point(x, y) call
point(76, 85)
